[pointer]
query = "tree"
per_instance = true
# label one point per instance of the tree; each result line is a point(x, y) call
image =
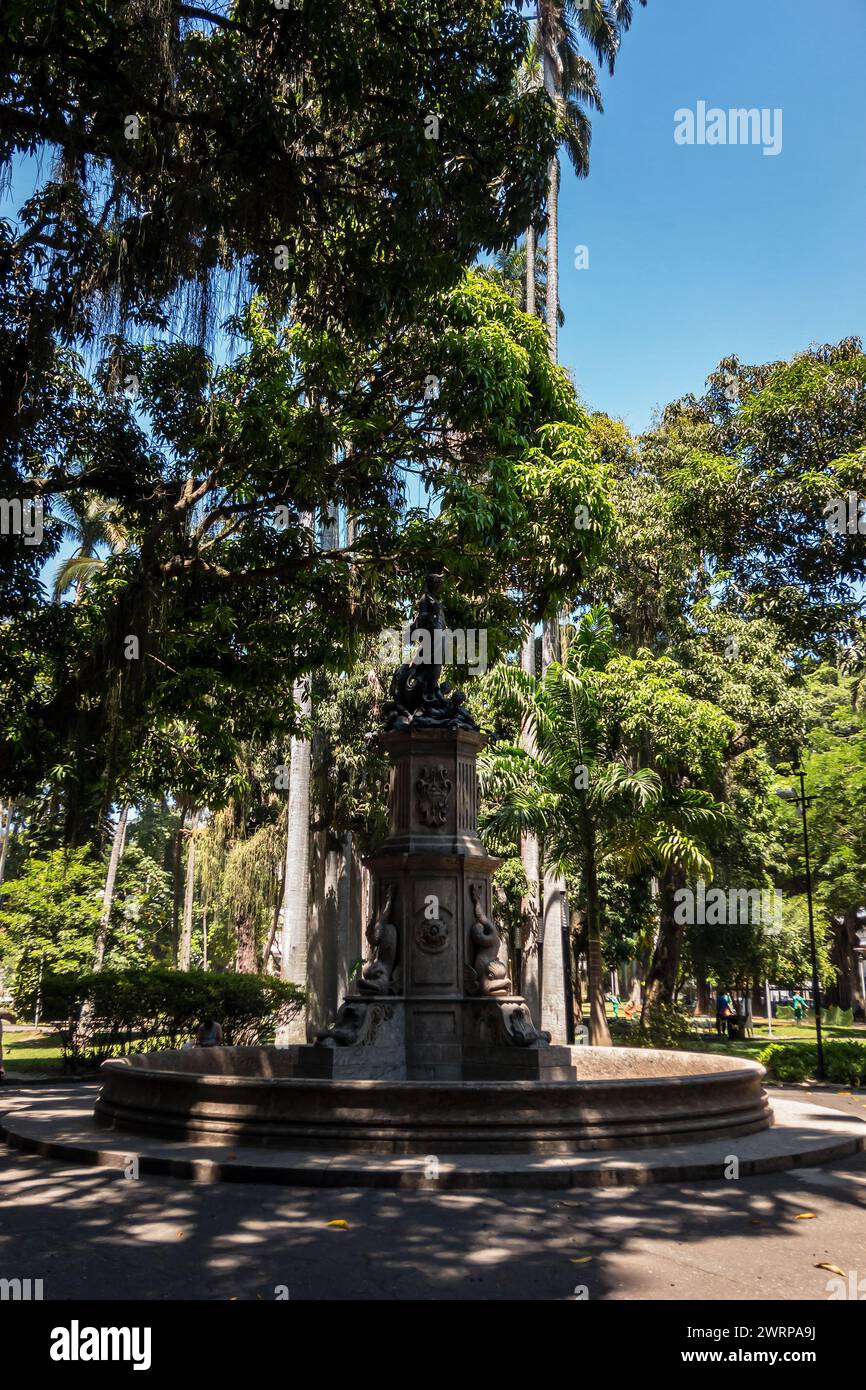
point(571, 83)
point(192, 637)
point(760, 470)
point(51, 913)
point(377, 150)
point(581, 790)
point(93, 523)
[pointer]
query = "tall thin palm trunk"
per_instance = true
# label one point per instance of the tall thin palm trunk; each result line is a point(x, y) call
point(177, 886)
point(553, 258)
point(530, 269)
point(85, 1017)
point(554, 1005)
point(598, 1025)
point(530, 981)
point(188, 896)
point(117, 844)
point(296, 892)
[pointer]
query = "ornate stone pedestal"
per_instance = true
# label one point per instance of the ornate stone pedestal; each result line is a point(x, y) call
point(434, 1002)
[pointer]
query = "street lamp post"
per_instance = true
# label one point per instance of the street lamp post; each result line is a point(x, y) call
point(803, 801)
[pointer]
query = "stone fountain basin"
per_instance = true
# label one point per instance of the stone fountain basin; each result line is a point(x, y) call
point(614, 1098)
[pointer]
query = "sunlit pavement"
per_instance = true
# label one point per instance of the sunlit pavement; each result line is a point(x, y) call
point(93, 1233)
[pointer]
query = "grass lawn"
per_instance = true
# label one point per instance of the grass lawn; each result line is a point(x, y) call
point(31, 1050)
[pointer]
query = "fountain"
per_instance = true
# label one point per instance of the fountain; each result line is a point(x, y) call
point(432, 1050)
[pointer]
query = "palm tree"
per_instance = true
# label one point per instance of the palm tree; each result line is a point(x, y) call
point(561, 26)
point(573, 792)
point(571, 81)
point(509, 270)
point(94, 524)
point(579, 792)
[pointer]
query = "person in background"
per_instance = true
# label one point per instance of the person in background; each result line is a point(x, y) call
point(724, 1011)
point(798, 1004)
point(210, 1034)
point(614, 1001)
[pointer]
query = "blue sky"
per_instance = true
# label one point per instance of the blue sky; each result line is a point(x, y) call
point(696, 252)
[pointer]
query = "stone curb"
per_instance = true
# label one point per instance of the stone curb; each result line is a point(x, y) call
point(77, 1140)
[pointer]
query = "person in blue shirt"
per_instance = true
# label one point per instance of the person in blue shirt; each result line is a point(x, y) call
point(724, 1011)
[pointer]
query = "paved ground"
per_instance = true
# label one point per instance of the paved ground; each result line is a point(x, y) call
point(91, 1233)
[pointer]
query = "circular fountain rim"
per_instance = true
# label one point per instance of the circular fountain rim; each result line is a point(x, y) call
point(722, 1068)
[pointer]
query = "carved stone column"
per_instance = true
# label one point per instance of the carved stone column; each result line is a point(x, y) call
point(433, 1001)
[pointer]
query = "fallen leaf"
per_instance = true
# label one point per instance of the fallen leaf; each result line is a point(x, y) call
point(339, 1225)
point(583, 1260)
point(178, 1234)
point(805, 1216)
point(834, 1269)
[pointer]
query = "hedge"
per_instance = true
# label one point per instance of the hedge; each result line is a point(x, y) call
point(845, 1061)
point(142, 1009)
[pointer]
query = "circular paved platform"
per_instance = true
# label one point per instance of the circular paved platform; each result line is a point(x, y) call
point(60, 1126)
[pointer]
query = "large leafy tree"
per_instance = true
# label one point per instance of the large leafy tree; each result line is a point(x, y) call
point(751, 469)
point(194, 634)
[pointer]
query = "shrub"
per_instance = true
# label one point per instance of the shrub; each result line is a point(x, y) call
point(143, 1008)
point(624, 1031)
point(664, 1026)
point(845, 1061)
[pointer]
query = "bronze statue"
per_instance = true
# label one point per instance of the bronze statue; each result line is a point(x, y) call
point(417, 699)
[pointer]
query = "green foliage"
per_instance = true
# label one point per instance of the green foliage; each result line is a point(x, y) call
point(50, 910)
point(752, 465)
point(231, 607)
point(142, 1009)
point(664, 1026)
point(845, 1061)
point(789, 1061)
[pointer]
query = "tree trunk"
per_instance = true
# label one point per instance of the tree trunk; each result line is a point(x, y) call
point(85, 1016)
point(188, 896)
point(843, 941)
point(555, 1006)
point(662, 978)
point(6, 809)
point(531, 906)
point(108, 891)
point(530, 269)
point(599, 1032)
point(296, 893)
point(246, 962)
point(177, 886)
point(553, 258)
